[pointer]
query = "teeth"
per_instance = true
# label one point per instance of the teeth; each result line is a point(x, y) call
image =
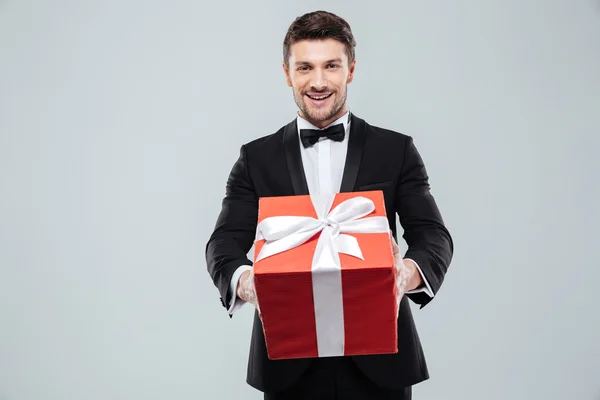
point(319, 97)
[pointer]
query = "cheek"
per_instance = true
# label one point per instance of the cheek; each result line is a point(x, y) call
point(338, 81)
point(299, 85)
point(298, 80)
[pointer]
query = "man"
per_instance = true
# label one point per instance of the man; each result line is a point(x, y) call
point(328, 149)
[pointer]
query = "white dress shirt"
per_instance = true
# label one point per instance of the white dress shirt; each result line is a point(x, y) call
point(323, 166)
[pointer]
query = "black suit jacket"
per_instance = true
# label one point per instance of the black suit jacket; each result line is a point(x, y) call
point(377, 159)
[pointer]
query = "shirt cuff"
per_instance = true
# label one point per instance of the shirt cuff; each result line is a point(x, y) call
point(236, 302)
point(423, 288)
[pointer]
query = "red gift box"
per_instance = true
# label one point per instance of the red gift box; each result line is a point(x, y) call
point(324, 276)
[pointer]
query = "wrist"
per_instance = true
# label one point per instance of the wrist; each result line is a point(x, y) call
point(240, 286)
point(415, 281)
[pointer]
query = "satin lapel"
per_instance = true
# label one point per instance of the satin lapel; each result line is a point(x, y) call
point(356, 144)
point(291, 144)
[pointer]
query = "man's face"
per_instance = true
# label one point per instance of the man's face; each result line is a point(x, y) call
point(318, 74)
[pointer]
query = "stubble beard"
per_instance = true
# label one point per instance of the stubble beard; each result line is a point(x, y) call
point(316, 116)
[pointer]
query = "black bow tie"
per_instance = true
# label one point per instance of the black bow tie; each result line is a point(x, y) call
point(310, 136)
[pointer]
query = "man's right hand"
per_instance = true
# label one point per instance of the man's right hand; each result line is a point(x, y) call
point(245, 289)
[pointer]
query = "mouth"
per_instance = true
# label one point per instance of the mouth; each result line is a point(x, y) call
point(318, 98)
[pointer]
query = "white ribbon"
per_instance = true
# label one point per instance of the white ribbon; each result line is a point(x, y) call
point(282, 233)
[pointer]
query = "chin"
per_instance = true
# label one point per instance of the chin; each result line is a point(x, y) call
point(321, 113)
point(320, 116)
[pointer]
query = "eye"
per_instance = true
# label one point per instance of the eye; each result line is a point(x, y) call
point(303, 68)
point(333, 66)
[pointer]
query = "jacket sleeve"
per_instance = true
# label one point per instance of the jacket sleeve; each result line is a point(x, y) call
point(233, 235)
point(429, 242)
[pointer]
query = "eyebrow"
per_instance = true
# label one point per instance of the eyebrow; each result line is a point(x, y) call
point(333, 60)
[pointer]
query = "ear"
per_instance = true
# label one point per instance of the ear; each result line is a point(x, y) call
point(351, 71)
point(286, 71)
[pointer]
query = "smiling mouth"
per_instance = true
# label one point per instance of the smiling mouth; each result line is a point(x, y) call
point(319, 97)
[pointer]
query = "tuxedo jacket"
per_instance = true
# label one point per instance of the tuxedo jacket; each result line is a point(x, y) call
point(377, 159)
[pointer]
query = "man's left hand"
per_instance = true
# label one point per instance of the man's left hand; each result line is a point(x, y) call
point(407, 276)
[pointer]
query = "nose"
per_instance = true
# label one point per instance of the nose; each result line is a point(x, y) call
point(318, 81)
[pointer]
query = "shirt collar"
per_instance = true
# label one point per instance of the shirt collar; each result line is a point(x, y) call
point(304, 124)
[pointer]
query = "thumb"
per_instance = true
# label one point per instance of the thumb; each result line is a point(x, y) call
point(395, 248)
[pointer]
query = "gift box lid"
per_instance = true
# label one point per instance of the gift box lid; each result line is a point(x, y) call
point(375, 247)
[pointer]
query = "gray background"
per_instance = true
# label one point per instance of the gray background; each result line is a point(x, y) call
point(109, 187)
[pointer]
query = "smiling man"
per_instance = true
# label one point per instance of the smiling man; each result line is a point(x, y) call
point(318, 72)
point(327, 149)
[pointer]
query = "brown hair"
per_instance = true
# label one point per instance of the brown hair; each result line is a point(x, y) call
point(319, 25)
